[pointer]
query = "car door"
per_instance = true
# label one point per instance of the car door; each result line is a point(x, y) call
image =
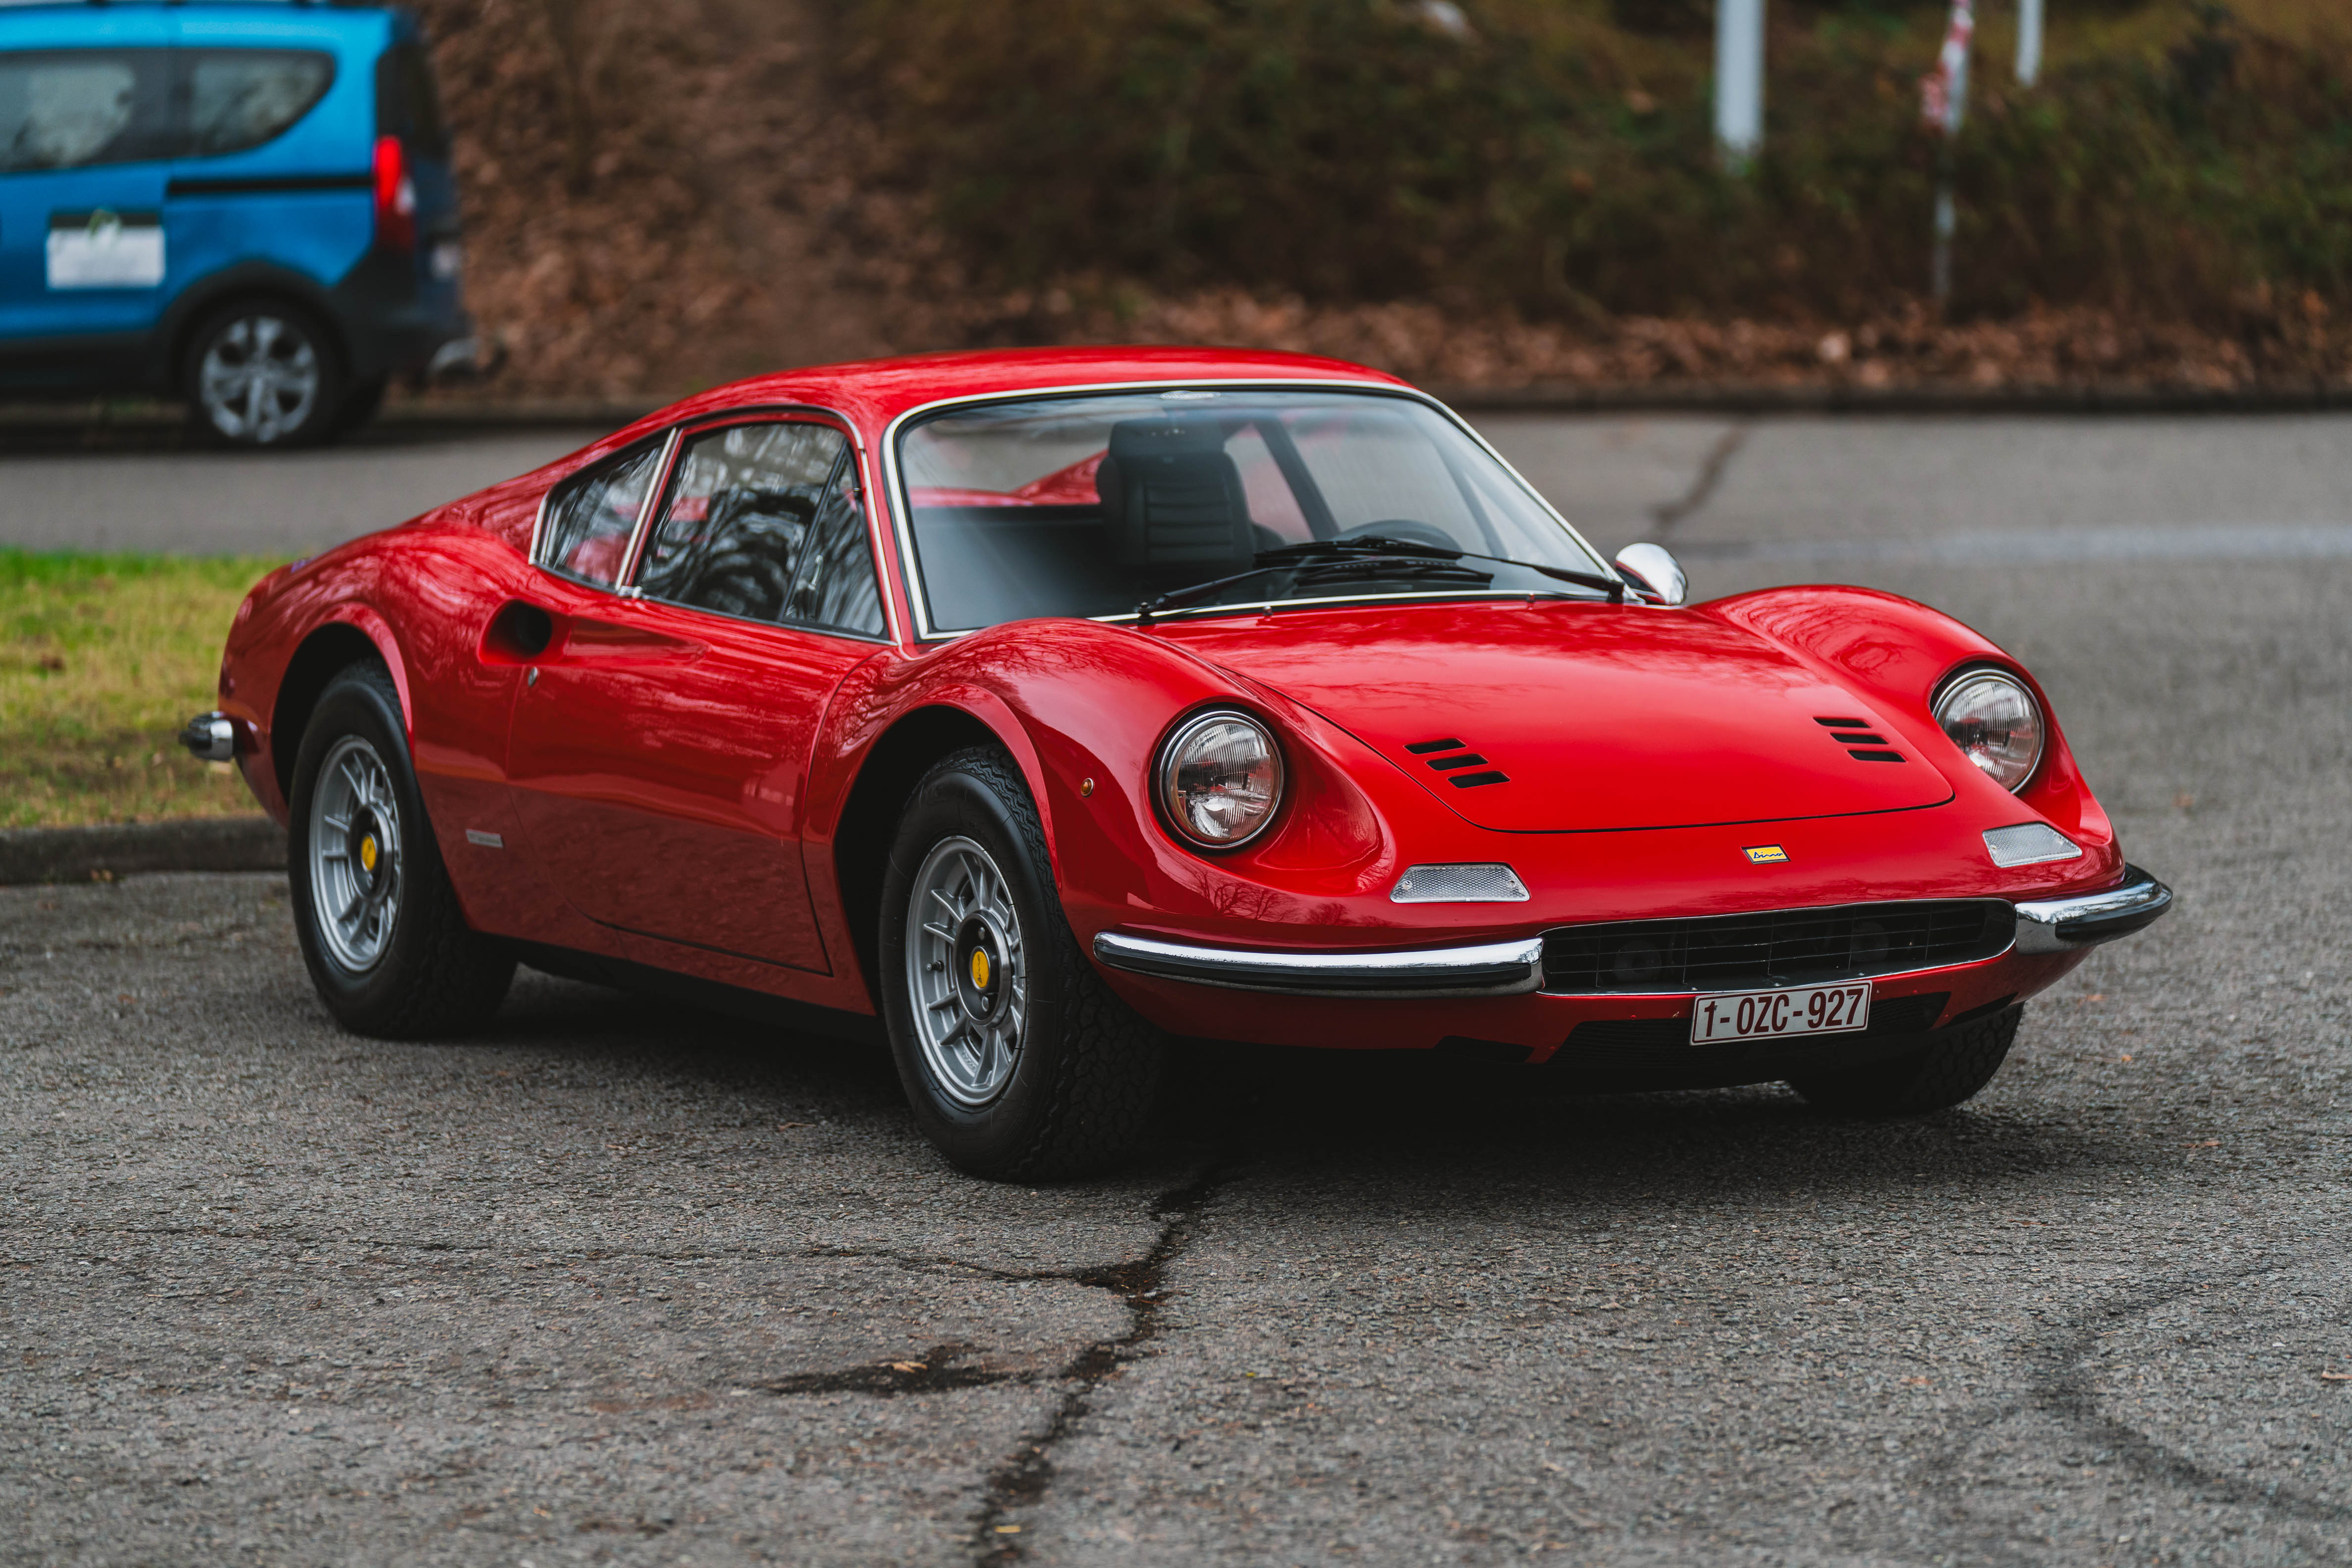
point(658, 760)
point(85, 150)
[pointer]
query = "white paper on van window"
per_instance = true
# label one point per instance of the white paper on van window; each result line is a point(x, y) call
point(105, 250)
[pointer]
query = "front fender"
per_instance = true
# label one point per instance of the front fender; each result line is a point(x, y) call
point(1899, 652)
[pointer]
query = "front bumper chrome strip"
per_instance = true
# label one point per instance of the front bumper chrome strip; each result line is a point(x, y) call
point(1516, 968)
point(1496, 968)
point(2062, 925)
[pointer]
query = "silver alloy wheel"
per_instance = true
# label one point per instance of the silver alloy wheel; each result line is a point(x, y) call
point(259, 380)
point(967, 974)
point(356, 860)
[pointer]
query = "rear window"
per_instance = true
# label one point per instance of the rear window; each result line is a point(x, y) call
point(238, 99)
point(407, 104)
point(70, 108)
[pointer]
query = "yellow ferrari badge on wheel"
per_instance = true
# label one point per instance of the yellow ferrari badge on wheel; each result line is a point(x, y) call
point(1765, 854)
point(979, 967)
point(367, 853)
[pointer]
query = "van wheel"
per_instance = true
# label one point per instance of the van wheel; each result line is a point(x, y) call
point(387, 947)
point(264, 373)
point(1018, 1062)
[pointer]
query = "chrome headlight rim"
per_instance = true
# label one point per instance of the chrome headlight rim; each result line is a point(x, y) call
point(1163, 780)
point(1968, 676)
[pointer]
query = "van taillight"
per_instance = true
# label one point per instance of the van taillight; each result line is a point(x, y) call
point(395, 196)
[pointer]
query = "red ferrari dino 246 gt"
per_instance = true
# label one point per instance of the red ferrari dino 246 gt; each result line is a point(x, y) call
point(1035, 710)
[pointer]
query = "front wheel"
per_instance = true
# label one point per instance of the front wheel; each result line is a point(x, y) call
point(1955, 1064)
point(387, 947)
point(1018, 1061)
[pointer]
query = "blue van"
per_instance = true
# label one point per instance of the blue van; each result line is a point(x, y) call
point(248, 206)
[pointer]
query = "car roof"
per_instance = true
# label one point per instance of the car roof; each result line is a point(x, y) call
point(874, 391)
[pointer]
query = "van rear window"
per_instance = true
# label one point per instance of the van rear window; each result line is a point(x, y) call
point(407, 103)
point(238, 99)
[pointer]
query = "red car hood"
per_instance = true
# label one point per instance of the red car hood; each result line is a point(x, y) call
point(1598, 718)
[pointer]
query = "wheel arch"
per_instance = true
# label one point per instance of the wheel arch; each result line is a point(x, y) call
point(247, 282)
point(353, 634)
point(892, 766)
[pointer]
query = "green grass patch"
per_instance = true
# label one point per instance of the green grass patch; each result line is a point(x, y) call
point(102, 658)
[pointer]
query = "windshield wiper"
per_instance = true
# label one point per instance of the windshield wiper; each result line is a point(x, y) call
point(1370, 557)
point(1389, 566)
point(1376, 545)
point(1351, 565)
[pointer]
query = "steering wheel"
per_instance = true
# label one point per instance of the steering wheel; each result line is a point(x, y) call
point(1406, 529)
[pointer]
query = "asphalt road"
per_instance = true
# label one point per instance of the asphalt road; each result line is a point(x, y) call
point(616, 1282)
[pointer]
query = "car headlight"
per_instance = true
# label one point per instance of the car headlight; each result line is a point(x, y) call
point(1220, 779)
point(1995, 721)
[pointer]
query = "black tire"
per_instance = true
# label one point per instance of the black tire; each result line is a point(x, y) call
point(1954, 1065)
point(431, 974)
point(1085, 1076)
point(361, 404)
point(304, 383)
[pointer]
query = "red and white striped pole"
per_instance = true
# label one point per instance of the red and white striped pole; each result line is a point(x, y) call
point(1944, 102)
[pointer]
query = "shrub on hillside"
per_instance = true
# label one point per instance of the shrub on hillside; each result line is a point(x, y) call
point(1348, 150)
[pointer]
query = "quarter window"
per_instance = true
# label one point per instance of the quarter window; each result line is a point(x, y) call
point(763, 521)
point(238, 99)
point(71, 109)
point(592, 516)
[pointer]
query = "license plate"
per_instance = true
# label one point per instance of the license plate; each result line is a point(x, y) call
point(1776, 1014)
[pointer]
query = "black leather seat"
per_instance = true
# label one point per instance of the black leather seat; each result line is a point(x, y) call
point(1172, 501)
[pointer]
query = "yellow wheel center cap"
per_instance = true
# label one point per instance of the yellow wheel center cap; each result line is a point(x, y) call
point(367, 853)
point(979, 967)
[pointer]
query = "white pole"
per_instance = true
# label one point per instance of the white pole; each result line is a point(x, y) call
point(1738, 80)
point(2029, 42)
point(1945, 99)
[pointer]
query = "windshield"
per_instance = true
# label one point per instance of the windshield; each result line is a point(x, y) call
point(1093, 505)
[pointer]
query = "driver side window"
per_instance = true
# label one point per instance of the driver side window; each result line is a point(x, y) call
point(763, 522)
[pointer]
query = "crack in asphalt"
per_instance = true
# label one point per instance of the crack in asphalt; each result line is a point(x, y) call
point(934, 1372)
point(2064, 1388)
point(1021, 1477)
point(1725, 447)
point(2060, 1383)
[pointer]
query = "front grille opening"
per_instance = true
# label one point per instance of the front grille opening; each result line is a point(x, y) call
point(1843, 723)
point(1447, 764)
point(1738, 953)
point(1423, 748)
point(1875, 756)
point(1472, 781)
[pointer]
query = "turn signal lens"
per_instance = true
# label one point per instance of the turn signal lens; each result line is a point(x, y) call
point(1220, 779)
point(1995, 721)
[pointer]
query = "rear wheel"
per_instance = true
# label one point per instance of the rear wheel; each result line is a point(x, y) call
point(1018, 1062)
point(1954, 1065)
point(264, 373)
point(386, 945)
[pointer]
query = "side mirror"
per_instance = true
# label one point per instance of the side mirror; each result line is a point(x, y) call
point(1656, 576)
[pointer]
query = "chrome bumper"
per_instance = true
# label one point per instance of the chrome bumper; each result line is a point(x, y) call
point(1514, 968)
point(2062, 925)
point(1497, 969)
point(210, 738)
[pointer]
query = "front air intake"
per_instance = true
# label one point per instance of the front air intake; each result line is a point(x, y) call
point(1790, 947)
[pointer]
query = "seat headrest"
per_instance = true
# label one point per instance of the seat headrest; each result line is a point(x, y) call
point(1172, 501)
